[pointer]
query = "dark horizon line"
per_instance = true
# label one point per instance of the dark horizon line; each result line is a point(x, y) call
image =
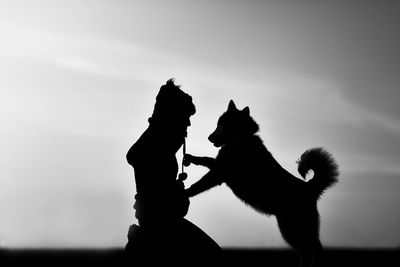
point(230, 248)
point(285, 256)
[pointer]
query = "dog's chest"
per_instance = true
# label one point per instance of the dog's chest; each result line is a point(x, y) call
point(244, 169)
point(238, 167)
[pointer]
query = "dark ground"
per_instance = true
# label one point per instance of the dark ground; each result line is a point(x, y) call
point(230, 257)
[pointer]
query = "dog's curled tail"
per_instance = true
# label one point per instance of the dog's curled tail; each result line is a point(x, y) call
point(324, 166)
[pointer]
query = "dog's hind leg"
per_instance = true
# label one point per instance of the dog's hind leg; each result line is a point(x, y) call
point(302, 236)
point(310, 253)
point(317, 253)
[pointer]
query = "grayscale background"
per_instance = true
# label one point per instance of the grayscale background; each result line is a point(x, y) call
point(78, 80)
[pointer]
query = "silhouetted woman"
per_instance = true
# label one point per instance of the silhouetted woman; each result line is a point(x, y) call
point(161, 202)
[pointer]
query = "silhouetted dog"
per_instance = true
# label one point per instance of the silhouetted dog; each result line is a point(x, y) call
point(249, 169)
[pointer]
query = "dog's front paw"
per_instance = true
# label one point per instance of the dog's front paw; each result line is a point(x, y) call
point(187, 160)
point(189, 192)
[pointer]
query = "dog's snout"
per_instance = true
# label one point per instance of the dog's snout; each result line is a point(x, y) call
point(216, 137)
point(211, 138)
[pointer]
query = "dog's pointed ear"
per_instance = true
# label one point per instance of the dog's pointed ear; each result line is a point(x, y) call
point(232, 106)
point(246, 111)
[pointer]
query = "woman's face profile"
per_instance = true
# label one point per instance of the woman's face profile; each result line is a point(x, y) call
point(179, 131)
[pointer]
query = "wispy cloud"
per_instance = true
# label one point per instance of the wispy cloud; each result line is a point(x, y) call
point(96, 56)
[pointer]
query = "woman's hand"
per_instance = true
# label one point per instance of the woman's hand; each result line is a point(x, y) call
point(181, 199)
point(187, 160)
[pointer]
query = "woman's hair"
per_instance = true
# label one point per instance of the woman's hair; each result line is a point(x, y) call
point(172, 102)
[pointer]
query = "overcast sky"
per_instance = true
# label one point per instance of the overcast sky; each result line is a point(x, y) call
point(78, 80)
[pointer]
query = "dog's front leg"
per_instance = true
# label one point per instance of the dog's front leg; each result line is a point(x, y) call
point(208, 181)
point(202, 161)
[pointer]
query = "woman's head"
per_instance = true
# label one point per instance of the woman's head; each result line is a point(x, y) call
point(172, 103)
point(172, 110)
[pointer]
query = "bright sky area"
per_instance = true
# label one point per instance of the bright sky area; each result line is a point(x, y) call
point(78, 80)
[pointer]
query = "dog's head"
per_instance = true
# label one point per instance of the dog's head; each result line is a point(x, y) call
point(234, 124)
